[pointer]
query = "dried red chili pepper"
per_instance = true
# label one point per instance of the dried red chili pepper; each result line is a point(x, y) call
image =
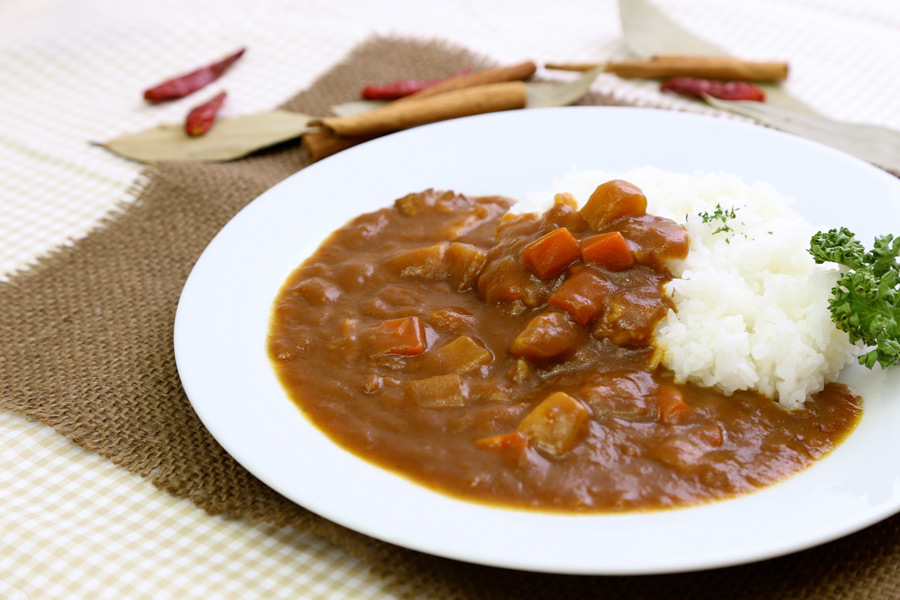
point(403, 87)
point(201, 119)
point(725, 90)
point(181, 86)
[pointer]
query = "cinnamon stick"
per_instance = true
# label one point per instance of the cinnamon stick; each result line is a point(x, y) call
point(518, 72)
point(708, 67)
point(582, 67)
point(324, 143)
point(449, 105)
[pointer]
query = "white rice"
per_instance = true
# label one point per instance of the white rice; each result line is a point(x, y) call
point(751, 304)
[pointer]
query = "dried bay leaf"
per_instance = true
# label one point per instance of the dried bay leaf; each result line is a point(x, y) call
point(542, 95)
point(356, 107)
point(649, 32)
point(872, 143)
point(229, 139)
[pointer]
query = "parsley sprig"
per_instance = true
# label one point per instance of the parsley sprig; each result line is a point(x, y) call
point(866, 300)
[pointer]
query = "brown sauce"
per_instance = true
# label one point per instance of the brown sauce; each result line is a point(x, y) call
point(457, 398)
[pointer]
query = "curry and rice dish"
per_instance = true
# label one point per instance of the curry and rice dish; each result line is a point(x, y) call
point(536, 360)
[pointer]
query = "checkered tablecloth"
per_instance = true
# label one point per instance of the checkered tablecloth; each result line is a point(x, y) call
point(72, 525)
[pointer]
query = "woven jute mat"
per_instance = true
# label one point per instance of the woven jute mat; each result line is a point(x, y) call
point(87, 348)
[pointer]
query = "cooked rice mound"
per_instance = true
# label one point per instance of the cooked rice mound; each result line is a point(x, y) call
point(751, 304)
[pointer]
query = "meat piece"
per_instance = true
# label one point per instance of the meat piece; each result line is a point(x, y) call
point(583, 294)
point(686, 449)
point(654, 240)
point(451, 320)
point(631, 317)
point(457, 262)
point(546, 335)
point(621, 395)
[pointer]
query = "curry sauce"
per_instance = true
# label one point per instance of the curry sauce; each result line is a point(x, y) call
point(509, 359)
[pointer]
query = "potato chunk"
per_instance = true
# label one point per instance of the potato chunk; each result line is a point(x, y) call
point(438, 391)
point(613, 200)
point(464, 264)
point(463, 354)
point(426, 262)
point(546, 335)
point(556, 424)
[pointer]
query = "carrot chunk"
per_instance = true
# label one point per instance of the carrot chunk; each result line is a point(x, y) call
point(513, 448)
point(405, 336)
point(549, 255)
point(555, 425)
point(608, 250)
point(582, 295)
point(508, 441)
point(671, 405)
point(612, 200)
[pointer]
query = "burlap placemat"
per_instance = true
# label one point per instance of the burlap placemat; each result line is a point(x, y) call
point(87, 348)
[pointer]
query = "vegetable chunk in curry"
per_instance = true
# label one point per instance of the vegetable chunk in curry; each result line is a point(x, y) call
point(509, 359)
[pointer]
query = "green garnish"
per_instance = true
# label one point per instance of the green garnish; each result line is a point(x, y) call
point(866, 300)
point(719, 214)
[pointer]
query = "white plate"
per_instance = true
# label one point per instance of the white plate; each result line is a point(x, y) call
point(222, 319)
